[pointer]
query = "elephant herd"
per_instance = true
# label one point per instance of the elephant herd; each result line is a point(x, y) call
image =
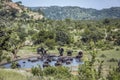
point(59, 60)
point(43, 52)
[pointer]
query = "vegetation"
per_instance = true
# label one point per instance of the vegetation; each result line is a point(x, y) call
point(21, 34)
point(11, 75)
point(77, 13)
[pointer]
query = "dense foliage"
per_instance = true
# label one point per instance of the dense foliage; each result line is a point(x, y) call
point(77, 13)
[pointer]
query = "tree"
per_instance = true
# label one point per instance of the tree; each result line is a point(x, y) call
point(4, 42)
point(19, 2)
point(92, 34)
point(42, 36)
point(63, 36)
point(87, 71)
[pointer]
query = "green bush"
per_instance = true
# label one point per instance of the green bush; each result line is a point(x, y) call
point(37, 71)
point(50, 70)
point(14, 65)
point(103, 56)
point(8, 59)
point(88, 71)
point(113, 75)
point(62, 72)
point(50, 43)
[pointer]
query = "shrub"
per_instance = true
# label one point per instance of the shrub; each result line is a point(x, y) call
point(113, 60)
point(50, 70)
point(37, 71)
point(50, 43)
point(103, 56)
point(88, 71)
point(117, 49)
point(8, 59)
point(63, 72)
point(14, 65)
point(113, 75)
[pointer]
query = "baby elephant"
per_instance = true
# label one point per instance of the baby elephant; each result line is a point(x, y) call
point(69, 53)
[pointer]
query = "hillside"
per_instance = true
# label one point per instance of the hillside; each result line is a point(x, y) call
point(77, 13)
point(16, 11)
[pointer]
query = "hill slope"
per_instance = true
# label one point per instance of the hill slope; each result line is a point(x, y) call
point(11, 10)
point(77, 13)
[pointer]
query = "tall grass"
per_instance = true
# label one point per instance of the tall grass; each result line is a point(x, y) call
point(6, 74)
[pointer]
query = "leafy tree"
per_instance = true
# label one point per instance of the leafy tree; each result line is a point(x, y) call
point(64, 37)
point(42, 36)
point(92, 34)
point(4, 42)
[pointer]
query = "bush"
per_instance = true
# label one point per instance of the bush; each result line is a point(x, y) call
point(60, 43)
point(50, 43)
point(63, 36)
point(8, 59)
point(113, 75)
point(37, 71)
point(50, 70)
point(103, 56)
point(63, 72)
point(113, 60)
point(117, 49)
point(14, 65)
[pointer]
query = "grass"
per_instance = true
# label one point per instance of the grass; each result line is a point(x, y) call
point(32, 50)
point(7, 74)
point(27, 50)
point(109, 54)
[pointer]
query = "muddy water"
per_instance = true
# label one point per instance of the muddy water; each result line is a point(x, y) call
point(34, 62)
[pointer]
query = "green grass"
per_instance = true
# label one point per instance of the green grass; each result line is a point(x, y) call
point(11, 75)
point(27, 50)
point(109, 55)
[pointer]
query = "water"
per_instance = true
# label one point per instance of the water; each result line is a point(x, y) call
point(29, 64)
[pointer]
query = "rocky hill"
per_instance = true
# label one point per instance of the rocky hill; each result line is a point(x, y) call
point(11, 10)
point(77, 13)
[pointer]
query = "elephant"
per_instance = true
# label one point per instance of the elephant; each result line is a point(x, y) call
point(18, 65)
point(61, 50)
point(80, 54)
point(69, 53)
point(41, 51)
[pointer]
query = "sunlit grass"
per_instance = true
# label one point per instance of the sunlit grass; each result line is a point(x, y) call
point(11, 75)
